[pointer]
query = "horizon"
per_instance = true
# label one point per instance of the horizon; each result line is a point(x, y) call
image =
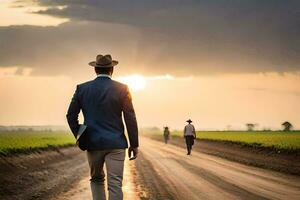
point(141, 129)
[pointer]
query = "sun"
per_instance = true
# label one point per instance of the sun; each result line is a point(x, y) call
point(135, 82)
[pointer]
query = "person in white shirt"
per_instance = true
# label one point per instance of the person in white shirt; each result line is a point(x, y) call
point(189, 135)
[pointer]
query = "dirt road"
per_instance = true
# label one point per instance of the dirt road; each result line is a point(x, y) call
point(166, 172)
point(171, 174)
point(161, 172)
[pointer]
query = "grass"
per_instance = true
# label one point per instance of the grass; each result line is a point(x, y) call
point(274, 139)
point(24, 141)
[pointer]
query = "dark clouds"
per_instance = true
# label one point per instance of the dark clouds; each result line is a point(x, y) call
point(65, 49)
point(176, 37)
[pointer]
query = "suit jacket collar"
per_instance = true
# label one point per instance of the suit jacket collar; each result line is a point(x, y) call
point(104, 75)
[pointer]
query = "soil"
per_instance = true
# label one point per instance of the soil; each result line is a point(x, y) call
point(164, 171)
point(149, 182)
point(268, 158)
point(213, 171)
point(41, 174)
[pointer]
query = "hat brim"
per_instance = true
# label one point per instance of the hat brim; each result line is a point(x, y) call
point(189, 120)
point(113, 63)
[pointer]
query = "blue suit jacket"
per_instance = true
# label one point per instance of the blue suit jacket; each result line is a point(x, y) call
point(102, 102)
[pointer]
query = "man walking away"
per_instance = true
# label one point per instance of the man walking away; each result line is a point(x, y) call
point(189, 135)
point(102, 102)
point(166, 134)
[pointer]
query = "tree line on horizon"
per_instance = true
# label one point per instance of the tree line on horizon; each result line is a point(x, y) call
point(287, 126)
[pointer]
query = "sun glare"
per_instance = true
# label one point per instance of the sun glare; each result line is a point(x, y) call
point(135, 82)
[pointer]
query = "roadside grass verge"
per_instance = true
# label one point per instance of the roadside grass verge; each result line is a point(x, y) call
point(278, 140)
point(12, 142)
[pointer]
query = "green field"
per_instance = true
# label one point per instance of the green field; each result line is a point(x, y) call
point(22, 141)
point(276, 139)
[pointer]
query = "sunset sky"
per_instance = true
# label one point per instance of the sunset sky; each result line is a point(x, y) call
point(220, 63)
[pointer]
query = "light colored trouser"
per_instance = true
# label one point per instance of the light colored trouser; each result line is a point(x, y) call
point(114, 161)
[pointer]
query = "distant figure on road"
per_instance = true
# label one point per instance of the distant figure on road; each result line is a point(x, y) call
point(166, 134)
point(102, 102)
point(189, 135)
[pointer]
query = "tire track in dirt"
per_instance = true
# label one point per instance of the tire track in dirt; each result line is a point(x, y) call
point(150, 183)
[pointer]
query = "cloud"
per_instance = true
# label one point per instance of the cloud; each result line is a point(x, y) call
point(65, 49)
point(161, 37)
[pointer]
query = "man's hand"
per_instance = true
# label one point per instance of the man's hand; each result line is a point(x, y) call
point(133, 151)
